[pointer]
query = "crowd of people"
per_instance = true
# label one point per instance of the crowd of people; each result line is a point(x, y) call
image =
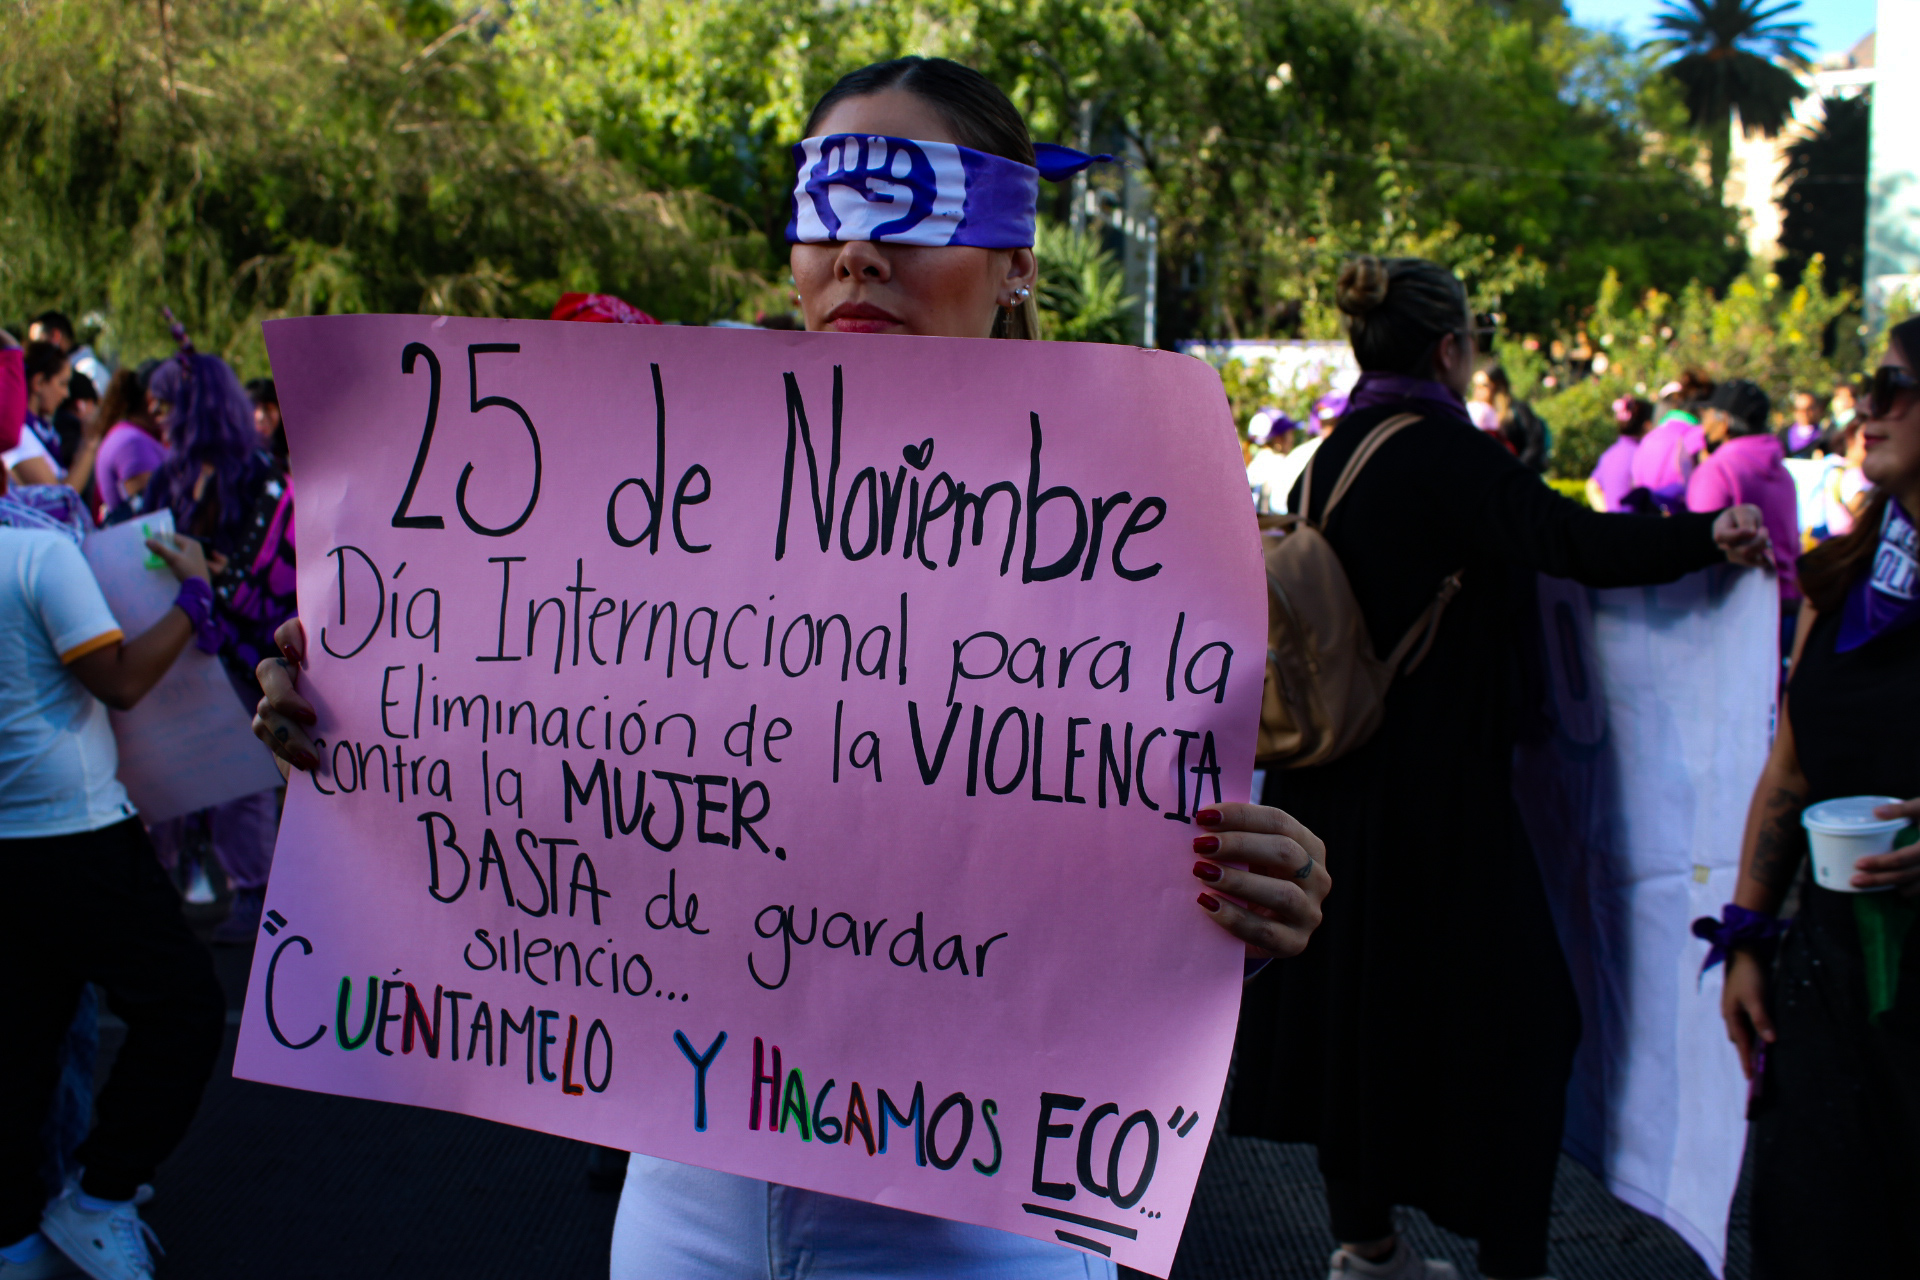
point(1418, 1026)
point(94, 891)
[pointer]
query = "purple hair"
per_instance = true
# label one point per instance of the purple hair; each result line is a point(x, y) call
point(209, 422)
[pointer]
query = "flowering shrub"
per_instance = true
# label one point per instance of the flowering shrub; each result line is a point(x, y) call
point(1758, 330)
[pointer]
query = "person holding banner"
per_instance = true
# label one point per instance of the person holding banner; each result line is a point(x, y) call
point(1668, 454)
point(86, 899)
point(1829, 1031)
point(1426, 1040)
point(914, 213)
point(225, 485)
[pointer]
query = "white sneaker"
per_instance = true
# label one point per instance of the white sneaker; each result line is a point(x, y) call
point(48, 1264)
point(107, 1244)
point(199, 888)
point(1402, 1264)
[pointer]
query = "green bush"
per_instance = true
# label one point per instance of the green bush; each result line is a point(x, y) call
point(248, 159)
point(1758, 330)
point(1083, 296)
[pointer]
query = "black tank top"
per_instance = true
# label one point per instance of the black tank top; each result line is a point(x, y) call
point(1856, 715)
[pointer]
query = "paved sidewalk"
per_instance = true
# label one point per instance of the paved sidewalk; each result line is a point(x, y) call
point(275, 1184)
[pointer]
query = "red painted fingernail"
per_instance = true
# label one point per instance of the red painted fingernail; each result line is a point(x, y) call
point(1206, 844)
point(1207, 871)
point(1210, 902)
point(1208, 817)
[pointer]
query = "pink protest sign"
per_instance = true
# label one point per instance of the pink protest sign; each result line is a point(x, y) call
point(773, 752)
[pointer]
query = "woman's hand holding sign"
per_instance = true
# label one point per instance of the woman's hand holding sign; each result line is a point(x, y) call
point(283, 716)
point(1274, 870)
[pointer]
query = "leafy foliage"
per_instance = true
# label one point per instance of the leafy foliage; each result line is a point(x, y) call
point(1082, 297)
point(1725, 52)
point(1824, 203)
point(257, 158)
point(1761, 329)
point(1249, 388)
point(242, 159)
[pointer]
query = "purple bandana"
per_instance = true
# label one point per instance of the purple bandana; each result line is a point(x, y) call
point(1736, 926)
point(1890, 596)
point(1375, 389)
point(866, 187)
point(51, 507)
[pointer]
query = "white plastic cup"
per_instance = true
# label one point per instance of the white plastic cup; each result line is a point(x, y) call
point(1841, 832)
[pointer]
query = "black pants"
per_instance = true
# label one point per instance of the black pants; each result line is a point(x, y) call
point(96, 907)
point(1836, 1135)
point(1513, 1245)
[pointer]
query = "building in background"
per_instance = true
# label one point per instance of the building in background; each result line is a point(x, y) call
point(1756, 165)
point(1893, 174)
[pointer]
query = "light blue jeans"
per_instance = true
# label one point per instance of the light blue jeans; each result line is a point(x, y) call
point(678, 1222)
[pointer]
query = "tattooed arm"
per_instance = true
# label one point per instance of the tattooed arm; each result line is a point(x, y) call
point(1770, 855)
point(1775, 842)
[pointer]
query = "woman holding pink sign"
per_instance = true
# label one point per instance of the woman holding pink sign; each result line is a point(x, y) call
point(914, 213)
point(1829, 1034)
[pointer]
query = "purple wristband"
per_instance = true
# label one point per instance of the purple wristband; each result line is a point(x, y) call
point(1735, 927)
point(196, 601)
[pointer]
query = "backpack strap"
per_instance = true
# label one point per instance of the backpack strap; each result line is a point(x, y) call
point(1423, 630)
point(1364, 454)
point(1413, 646)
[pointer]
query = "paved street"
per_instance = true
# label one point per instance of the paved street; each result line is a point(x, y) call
point(289, 1185)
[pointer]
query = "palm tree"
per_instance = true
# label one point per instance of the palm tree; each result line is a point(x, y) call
point(1728, 56)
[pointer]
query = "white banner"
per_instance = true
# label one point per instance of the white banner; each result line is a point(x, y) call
point(1663, 702)
point(189, 743)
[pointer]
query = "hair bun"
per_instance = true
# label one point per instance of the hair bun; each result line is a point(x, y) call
point(1361, 286)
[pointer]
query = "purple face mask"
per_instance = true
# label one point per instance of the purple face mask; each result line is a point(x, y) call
point(869, 187)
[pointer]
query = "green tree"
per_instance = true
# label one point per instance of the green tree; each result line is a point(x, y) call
point(241, 159)
point(1824, 201)
point(1263, 130)
point(1760, 328)
point(1082, 295)
point(1724, 59)
point(256, 158)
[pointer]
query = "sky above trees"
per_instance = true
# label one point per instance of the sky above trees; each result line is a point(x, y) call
point(1834, 26)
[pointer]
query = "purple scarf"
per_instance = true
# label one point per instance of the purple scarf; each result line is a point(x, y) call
point(1375, 389)
point(1889, 597)
point(53, 508)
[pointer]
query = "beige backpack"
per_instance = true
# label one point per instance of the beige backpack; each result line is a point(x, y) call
point(1326, 691)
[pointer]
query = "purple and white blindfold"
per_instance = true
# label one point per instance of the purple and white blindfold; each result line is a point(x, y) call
point(865, 187)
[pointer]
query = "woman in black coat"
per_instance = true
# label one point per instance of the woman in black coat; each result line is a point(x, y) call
point(1425, 1040)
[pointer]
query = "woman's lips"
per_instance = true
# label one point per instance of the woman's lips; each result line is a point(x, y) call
point(861, 317)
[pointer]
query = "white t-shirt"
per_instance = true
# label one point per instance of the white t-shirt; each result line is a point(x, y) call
point(1275, 474)
point(30, 447)
point(58, 763)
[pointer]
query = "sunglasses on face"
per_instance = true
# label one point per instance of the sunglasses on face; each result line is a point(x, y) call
point(1889, 383)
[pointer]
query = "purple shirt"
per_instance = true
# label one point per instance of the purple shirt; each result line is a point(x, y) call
point(1749, 469)
point(1665, 459)
point(126, 452)
point(1614, 472)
